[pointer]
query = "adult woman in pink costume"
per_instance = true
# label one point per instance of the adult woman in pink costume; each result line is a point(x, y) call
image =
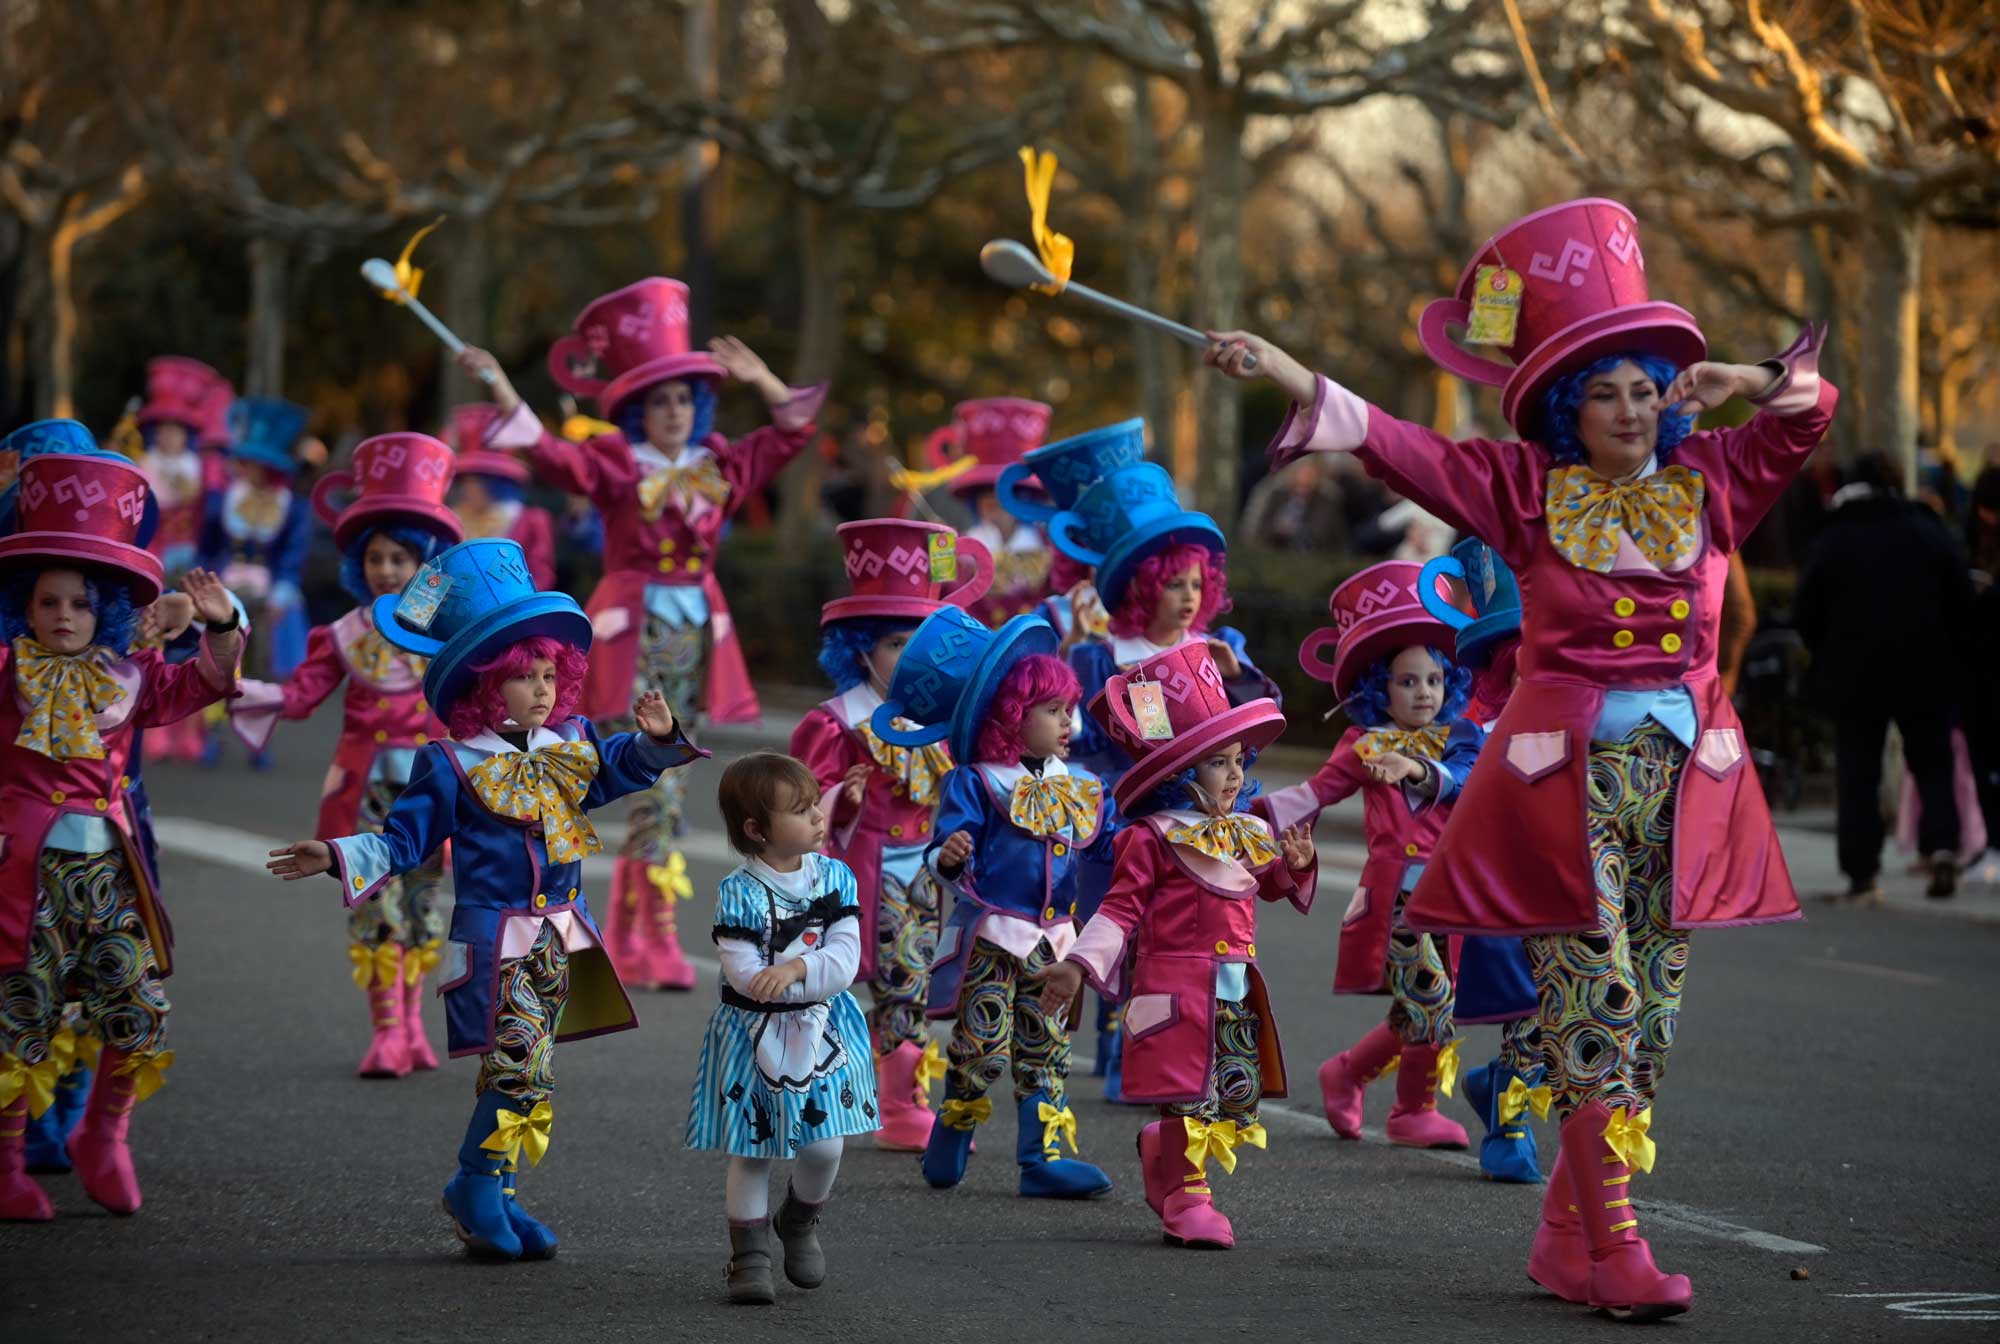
point(1619, 748)
point(666, 487)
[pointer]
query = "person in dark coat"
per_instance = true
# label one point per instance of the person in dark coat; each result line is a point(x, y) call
point(1885, 608)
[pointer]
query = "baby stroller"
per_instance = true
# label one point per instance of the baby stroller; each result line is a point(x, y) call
point(1769, 700)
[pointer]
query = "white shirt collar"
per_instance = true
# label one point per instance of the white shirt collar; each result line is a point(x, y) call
point(857, 702)
point(1005, 777)
point(800, 887)
point(1131, 650)
point(651, 459)
point(492, 743)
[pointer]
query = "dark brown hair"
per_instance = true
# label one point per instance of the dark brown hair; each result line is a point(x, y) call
point(756, 786)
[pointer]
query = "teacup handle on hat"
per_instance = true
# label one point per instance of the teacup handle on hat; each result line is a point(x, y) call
point(941, 438)
point(1060, 528)
point(323, 493)
point(1311, 657)
point(1011, 499)
point(1447, 354)
point(1428, 590)
point(970, 590)
point(883, 722)
point(561, 353)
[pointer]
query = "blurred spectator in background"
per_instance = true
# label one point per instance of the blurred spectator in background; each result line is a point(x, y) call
point(1300, 507)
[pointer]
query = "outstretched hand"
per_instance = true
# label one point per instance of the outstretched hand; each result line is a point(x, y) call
point(210, 598)
point(1297, 842)
point(1246, 356)
point(655, 716)
point(1060, 984)
point(482, 365)
point(855, 782)
point(1393, 767)
point(307, 858)
point(167, 619)
point(745, 365)
point(1705, 385)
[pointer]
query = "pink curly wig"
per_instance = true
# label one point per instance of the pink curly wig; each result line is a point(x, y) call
point(1142, 594)
point(484, 706)
point(1065, 573)
point(1037, 678)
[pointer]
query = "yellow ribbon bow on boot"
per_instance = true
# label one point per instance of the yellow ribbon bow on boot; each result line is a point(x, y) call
point(1220, 1140)
point(421, 960)
point(964, 1113)
point(373, 657)
point(1520, 1097)
point(1058, 1122)
point(701, 478)
point(1043, 805)
point(1230, 836)
point(148, 1072)
point(545, 785)
point(1627, 1137)
point(375, 967)
point(930, 1067)
point(36, 1081)
point(916, 770)
point(1427, 742)
point(670, 879)
point(1447, 1067)
point(519, 1134)
point(64, 693)
point(1587, 514)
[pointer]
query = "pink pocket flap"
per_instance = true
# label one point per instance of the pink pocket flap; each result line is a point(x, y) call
point(1532, 755)
point(1148, 1013)
point(1720, 752)
point(610, 623)
point(1357, 907)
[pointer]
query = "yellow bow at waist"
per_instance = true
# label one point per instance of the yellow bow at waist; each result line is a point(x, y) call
point(700, 478)
point(1230, 836)
point(1220, 1141)
point(1587, 514)
point(1058, 1122)
point(520, 1134)
point(916, 770)
point(374, 658)
point(148, 1072)
point(1520, 1097)
point(1447, 1068)
point(64, 693)
point(375, 967)
point(421, 960)
point(37, 1082)
point(670, 879)
point(1427, 742)
point(930, 1066)
point(1627, 1137)
point(1045, 805)
point(545, 785)
point(961, 1113)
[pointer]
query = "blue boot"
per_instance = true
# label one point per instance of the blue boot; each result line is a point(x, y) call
point(1111, 1053)
point(1045, 1174)
point(47, 1143)
point(1507, 1152)
point(1107, 1037)
point(473, 1197)
point(537, 1242)
point(950, 1145)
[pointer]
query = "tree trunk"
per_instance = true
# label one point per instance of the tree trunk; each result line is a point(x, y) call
point(698, 266)
point(465, 308)
point(1145, 244)
point(60, 392)
point(822, 267)
point(1892, 270)
point(1218, 297)
point(264, 364)
point(37, 334)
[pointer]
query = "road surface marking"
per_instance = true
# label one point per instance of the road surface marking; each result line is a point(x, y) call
point(1937, 1306)
point(1879, 972)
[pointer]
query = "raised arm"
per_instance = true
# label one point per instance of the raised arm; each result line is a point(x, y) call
point(418, 822)
point(1100, 948)
point(1335, 782)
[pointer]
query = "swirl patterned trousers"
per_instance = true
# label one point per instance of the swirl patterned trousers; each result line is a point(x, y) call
point(1236, 1082)
point(1000, 1018)
point(906, 934)
point(1609, 999)
point(532, 990)
point(406, 911)
point(1420, 983)
point(88, 945)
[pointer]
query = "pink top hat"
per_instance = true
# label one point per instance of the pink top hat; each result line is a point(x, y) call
point(86, 511)
point(467, 433)
point(889, 566)
point(182, 390)
point(1375, 613)
point(997, 431)
point(400, 480)
point(628, 340)
point(1198, 708)
point(1583, 296)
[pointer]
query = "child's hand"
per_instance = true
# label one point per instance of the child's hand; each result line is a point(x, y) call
point(1297, 842)
point(955, 850)
point(1060, 984)
point(1226, 661)
point(307, 858)
point(655, 715)
point(855, 782)
point(210, 598)
point(487, 370)
point(1393, 767)
point(167, 619)
point(769, 985)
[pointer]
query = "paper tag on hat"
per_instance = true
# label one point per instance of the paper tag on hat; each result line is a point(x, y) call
point(422, 597)
point(1496, 307)
point(944, 557)
point(1149, 710)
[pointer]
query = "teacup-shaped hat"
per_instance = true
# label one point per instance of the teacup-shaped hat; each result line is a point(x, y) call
point(401, 481)
point(1198, 708)
point(948, 675)
point(625, 341)
point(1066, 468)
point(1120, 521)
point(1375, 613)
point(1495, 596)
point(892, 565)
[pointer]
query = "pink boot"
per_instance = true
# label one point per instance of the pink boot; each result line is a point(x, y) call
point(21, 1198)
point(906, 1125)
point(1624, 1282)
point(389, 1052)
point(1560, 1258)
point(666, 966)
point(1188, 1216)
point(621, 917)
point(97, 1146)
point(1157, 1186)
point(1414, 1121)
point(1343, 1078)
point(415, 1041)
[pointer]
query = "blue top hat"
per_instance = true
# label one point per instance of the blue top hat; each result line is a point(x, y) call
point(465, 606)
point(1129, 515)
point(63, 436)
point(948, 675)
point(1068, 467)
point(1495, 597)
point(263, 430)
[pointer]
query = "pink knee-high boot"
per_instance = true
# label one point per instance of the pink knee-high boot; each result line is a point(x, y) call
point(389, 1049)
point(1344, 1078)
point(1414, 1121)
point(1560, 1258)
point(21, 1198)
point(621, 917)
point(666, 966)
point(98, 1146)
point(1624, 1282)
point(906, 1124)
point(418, 1044)
point(1188, 1216)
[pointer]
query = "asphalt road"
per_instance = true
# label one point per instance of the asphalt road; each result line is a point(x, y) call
point(1827, 1110)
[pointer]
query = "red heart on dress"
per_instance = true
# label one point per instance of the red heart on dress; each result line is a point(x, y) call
point(810, 939)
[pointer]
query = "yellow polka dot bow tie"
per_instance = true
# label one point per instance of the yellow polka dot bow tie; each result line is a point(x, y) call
point(64, 692)
point(916, 770)
point(1228, 837)
point(702, 478)
point(374, 657)
point(545, 785)
point(1587, 514)
point(1427, 742)
point(1043, 806)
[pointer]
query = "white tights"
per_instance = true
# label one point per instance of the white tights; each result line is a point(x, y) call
point(746, 1190)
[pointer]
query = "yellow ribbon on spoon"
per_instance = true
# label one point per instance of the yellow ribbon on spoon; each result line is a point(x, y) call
point(1058, 252)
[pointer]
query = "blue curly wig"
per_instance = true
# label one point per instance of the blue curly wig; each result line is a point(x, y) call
point(354, 574)
point(1176, 793)
point(111, 600)
point(499, 489)
point(845, 645)
point(632, 415)
point(1368, 705)
point(1556, 422)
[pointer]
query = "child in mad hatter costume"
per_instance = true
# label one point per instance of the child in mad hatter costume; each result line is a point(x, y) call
point(524, 967)
point(395, 522)
point(666, 486)
point(785, 1070)
point(1176, 936)
point(880, 798)
point(1619, 753)
point(992, 435)
point(1402, 695)
point(79, 916)
point(1015, 824)
point(488, 492)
